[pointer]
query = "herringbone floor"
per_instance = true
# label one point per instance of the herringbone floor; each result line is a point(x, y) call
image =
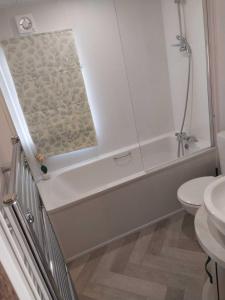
point(160, 262)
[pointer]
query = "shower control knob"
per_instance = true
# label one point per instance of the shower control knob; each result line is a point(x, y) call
point(29, 217)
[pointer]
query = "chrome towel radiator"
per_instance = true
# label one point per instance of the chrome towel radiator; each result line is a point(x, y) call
point(27, 219)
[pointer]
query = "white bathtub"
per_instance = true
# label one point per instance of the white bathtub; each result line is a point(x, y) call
point(96, 202)
point(163, 150)
point(74, 183)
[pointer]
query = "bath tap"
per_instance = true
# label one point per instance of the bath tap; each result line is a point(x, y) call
point(183, 44)
point(191, 139)
point(183, 137)
point(185, 140)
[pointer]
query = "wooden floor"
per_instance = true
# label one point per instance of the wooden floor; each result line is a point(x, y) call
point(160, 262)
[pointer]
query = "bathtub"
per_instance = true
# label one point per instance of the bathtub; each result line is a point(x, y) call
point(162, 151)
point(104, 198)
point(75, 183)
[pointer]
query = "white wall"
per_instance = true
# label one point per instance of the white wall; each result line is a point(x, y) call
point(217, 14)
point(143, 42)
point(113, 84)
point(97, 39)
point(6, 132)
point(198, 114)
point(124, 65)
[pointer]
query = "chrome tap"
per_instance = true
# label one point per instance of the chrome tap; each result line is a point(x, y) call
point(183, 137)
point(183, 44)
point(191, 139)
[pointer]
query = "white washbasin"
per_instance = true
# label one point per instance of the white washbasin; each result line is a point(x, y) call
point(214, 200)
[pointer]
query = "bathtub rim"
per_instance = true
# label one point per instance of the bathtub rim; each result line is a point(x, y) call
point(125, 181)
point(113, 153)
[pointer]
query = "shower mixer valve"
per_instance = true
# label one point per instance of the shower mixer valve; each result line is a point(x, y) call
point(183, 44)
point(182, 137)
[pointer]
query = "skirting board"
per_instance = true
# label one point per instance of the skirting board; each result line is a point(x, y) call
point(69, 260)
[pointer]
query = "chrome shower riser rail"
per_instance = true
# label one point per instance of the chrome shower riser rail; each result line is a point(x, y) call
point(179, 16)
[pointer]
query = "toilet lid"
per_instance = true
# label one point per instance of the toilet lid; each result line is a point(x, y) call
point(192, 191)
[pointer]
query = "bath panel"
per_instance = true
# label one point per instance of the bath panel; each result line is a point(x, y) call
point(86, 224)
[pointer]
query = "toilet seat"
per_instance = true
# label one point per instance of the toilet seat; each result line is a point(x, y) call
point(191, 193)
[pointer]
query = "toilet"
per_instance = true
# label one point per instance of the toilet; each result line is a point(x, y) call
point(191, 193)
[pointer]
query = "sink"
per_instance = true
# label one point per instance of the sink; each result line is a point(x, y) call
point(214, 200)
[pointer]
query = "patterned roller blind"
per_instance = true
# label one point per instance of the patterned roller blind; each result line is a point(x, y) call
point(47, 75)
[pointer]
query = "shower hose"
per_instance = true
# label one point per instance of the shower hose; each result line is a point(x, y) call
point(180, 139)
